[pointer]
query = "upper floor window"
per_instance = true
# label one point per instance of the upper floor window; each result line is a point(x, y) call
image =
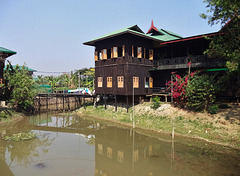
point(150, 54)
point(104, 53)
point(120, 81)
point(100, 56)
point(109, 81)
point(95, 55)
point(123, 50)
point(120, 156)
point(139, 52)
point(109, 152)
point(132, 51)
point(115, 52)
point(135, 82)
point(100, 149)
point(100, 81)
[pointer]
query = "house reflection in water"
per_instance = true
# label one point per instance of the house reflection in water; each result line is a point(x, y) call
point(125, 152)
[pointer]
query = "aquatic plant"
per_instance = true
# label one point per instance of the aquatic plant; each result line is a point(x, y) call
point(20, 136)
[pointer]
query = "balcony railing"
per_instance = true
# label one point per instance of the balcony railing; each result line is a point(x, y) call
point(201, 61)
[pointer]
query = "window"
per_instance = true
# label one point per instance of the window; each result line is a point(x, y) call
point(115, 52)
point(132, 51)
point(109, 152)
point(123, 50)
point(104, 53)
point(1, 81)
point(135, 82)
point(120, 156)
point(151, 82)
point(111, 52)
point(109, 81)
point(120, 81)
point(150, 54)
point(146, 82)
point(100, 149)
point(139, 52)
point(95, 55)
point(100, 56)
point(100, 81)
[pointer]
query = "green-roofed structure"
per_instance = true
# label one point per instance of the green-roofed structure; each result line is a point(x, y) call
point(4, 53)
point(129, 61)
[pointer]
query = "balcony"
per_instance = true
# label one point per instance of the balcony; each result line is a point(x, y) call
point(198, 61)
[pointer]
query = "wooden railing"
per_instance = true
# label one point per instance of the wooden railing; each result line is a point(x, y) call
point(201, 61)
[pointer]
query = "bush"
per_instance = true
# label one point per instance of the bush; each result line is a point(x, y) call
point(155, 102)
point(213, 109)
point(201, 92)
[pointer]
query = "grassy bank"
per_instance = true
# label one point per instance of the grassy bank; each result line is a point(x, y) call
point(191, 124)
point(8, 115)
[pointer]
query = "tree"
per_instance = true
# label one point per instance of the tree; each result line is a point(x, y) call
point(227, 44)
point(20, 86)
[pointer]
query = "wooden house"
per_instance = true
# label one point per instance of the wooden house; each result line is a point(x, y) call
point(4, 53)
point(130, 61)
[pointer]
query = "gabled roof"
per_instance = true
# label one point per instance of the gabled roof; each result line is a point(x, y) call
point(161, 36)
point(4, 50)
point(21, 67)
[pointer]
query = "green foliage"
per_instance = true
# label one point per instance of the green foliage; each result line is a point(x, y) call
point(213, 109)
point(201, 92)
point(155, 102)
point(20, 86)
point(20, 136)
point(227, 45)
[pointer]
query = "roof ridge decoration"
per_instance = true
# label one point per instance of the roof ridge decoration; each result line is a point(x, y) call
point(152, 27)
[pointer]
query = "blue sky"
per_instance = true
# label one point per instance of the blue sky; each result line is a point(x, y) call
point(48, 34)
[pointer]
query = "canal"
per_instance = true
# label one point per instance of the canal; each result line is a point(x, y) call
point(70, 145)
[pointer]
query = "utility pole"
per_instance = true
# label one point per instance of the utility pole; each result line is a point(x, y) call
point(79, 81)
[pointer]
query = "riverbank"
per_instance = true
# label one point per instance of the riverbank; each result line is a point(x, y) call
point(222, 128)
point(9, 116)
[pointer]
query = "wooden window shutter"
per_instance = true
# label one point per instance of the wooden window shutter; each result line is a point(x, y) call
point(109, 81)
point(111, 52)
point(96, 56)
point(132, 51)
point(120, 81)
point(123, 50)
point(104, 53)
point(100, 81)
point(139, 52)
point(151, 82)
point(150, 54)
point(115, 52)
point(136, 82)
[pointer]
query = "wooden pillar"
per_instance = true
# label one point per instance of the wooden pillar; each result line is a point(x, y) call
point(105, 101)
point(127, 103)
point(68, 104)
point(47, 102)
point(56, 103)
point(39, 103)
point(79, 98)
point(63, 103)
point(115, 103)
point(75, 102)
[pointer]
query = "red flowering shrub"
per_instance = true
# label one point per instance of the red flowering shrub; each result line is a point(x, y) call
point(178, 87)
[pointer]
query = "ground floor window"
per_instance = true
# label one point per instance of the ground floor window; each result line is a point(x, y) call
point(135, 82)
point(109, 81)
point(100, 81)
point(146, 82)
point(151, 82)
point(120, 81)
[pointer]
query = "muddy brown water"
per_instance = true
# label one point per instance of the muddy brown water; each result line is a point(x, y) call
point(69, 145)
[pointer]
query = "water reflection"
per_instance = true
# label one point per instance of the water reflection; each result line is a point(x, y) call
point(68, 145)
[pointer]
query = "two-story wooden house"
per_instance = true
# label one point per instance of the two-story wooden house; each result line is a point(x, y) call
point(130, 61)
